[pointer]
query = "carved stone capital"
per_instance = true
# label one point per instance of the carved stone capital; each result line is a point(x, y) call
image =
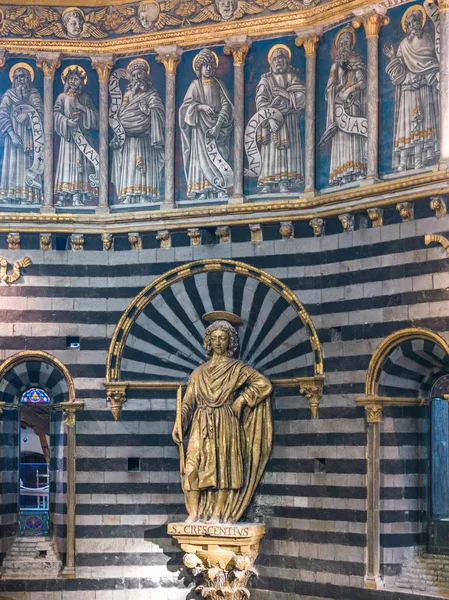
point(77, 241)
point(116, 396)
point(195, 236)
point(2, 404)
point(317, 225)
point(223, 233)
point(286, 230)
point(48, 62)
point(438, 205)
point(310, 44)
point(45, 241)
point(371, 23)
point(443, 5)
point(406, 211)
point(347, 221)
point(69, 409)
point(313, 392)
point(256, 233)
point(170, 62)
point(13, 241)
point(107, 240)
point(376, 216)
point(103, 65)
point(164, 238)
point(373, 413)
point(238, 51)
point(135, 241)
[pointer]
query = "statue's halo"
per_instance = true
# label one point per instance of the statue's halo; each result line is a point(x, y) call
point(222, 315)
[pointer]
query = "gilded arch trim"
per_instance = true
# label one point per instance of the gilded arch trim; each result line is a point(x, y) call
point(39, 355)
point(389, 343)
point(158, 285)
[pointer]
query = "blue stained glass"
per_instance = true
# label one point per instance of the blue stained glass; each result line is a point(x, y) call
point(35, 396)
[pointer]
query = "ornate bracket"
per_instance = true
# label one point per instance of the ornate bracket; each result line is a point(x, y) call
point(373, 405)
point(12, 276)
point(69, 409)
point(116, 396)
point(310, 387)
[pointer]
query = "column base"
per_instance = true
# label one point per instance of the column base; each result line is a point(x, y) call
point(374, 583)
point(168, 205)
point(443, 165)
point(102, 210)
point(47, 209)
point(240, 199)
point(68, 573)
point(370, 180)
point(309, 194)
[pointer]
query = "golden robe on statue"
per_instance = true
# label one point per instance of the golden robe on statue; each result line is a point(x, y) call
point(223, 451)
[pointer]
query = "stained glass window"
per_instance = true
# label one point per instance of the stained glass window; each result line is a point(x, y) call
point(35, 396)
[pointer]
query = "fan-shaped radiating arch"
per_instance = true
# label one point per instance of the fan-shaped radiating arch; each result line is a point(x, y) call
point(160, 335)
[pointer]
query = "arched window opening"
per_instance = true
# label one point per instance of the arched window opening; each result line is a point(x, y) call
point(439, 488)
point(34, 462)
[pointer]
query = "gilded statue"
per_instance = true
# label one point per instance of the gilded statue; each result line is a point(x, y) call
point(226, 416)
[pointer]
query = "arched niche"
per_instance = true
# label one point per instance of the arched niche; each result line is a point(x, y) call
point(158, 340)
point(18, 373)
point(401, 373)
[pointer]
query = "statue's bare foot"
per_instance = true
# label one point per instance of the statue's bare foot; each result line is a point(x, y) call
point(192, 519)
point(213, 520)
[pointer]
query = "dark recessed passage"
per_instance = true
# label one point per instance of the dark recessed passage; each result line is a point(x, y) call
point(133, 464)
point(73, 343)
point(319, 465)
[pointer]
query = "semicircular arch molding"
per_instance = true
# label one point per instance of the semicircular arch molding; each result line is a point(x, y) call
point(159, 336)
point(35, 368)
point(406, 363)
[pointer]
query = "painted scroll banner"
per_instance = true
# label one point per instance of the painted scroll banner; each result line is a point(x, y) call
point(433, 12)
point(225, 170)
point(344, 122)
point(252, 150)
point(90, 153)
point(33, 174)
point(116, 102)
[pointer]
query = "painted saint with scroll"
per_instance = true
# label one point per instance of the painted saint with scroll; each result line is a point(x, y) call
point(21, 125)
point(226, 412)
point(346, 123)
point(138, 122)
point(206, 117)
point(280, 140)
point(75, 117)
point(414, 71)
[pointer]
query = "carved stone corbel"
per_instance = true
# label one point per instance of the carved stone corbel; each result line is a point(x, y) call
point(13, 241)
point(164, 238)
point(373, 413)
point(317, 224)
point(376, 216)
point(107, 241)
point(45, 241)
point(256, 233)
point(286, 230)
point(195, 236)
point(77, 241)
point(313, 391)
point(135, 241)
point(347, 221)
point(116, 396)
point(406, 211)
point(438, 205)
point(223, 234)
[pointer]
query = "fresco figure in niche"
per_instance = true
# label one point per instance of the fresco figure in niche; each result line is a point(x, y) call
point(206, 121)
point(75, 116)
point(346, 123)
point(414, 71)
point(226, 411)
point(281, 153)
point(21, 118)
point(138, 143)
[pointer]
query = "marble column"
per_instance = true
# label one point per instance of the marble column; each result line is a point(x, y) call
point(373, 415)
point(310, 43)
point(103, 66)
point(239, 48)
point(372, 23)
point(169, 56)
point(444, 83)
point(48, 62)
